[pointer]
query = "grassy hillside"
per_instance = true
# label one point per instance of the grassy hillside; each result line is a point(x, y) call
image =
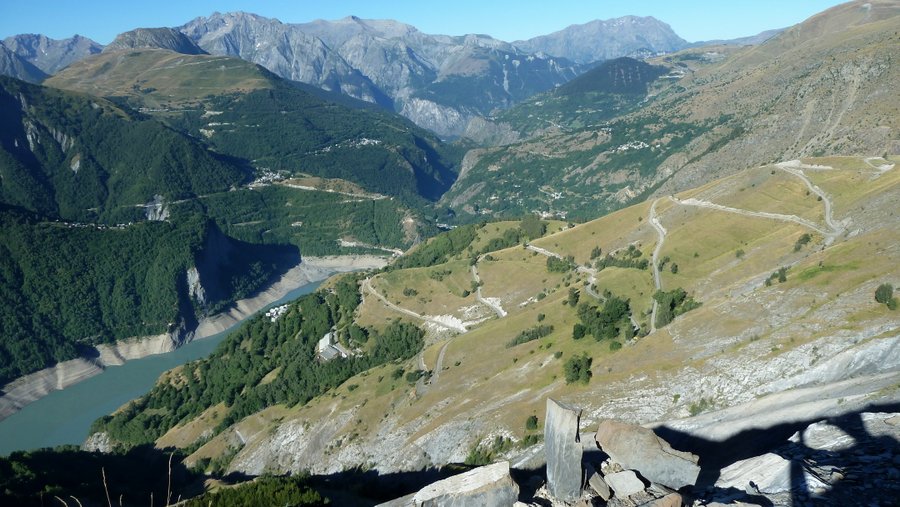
point(490, 359)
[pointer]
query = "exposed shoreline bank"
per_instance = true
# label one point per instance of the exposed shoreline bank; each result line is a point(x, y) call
point(29, 388)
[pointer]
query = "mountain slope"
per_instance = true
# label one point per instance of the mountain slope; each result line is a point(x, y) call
point(606, 39)
point(51, 55)
point(154, 38)
point(245, 111)
point(728, 325)
point(15, 66)
point(824, 86)
point(62, 156)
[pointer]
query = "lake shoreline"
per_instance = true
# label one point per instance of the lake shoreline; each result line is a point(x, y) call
point(34, 386)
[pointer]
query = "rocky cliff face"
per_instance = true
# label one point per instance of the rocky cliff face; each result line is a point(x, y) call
point(51, 55)
point(605, 39)
point(438, 81)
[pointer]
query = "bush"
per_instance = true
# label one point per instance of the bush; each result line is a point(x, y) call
point(884, 294)
point(801, 241)
point(578, 331)
point(557, 265)
point(531, 423)
point(530, 334)
point(578, 369)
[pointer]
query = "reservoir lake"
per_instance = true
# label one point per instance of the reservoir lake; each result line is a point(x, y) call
point(65, 417)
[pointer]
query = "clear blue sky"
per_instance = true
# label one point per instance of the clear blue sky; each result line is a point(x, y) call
point(507, 20)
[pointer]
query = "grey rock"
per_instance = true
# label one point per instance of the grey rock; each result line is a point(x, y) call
point(625, 483)
point(770, 473)
point(562, 446)
point(638, 448)
point(487, 485)
point(599, 486)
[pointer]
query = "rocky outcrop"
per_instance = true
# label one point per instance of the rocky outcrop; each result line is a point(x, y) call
point(638, 448)
point(488, 485)
point(562, 446)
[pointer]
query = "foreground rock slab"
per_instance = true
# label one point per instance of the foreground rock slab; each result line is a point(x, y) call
point(624, 484)
point(638, 448)
point(487, 485)
point(562, 447)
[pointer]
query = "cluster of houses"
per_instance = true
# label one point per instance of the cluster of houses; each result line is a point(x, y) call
point(275, 312)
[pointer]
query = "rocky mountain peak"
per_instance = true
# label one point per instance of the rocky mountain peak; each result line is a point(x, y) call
point(605, 39)
point(155, 38)
point(51, 55)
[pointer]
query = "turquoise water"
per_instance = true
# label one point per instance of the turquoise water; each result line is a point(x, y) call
point(65, 417)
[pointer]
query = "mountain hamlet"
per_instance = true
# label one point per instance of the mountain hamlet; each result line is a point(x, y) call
point(603, 266)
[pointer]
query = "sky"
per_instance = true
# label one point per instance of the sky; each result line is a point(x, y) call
point(507, 20)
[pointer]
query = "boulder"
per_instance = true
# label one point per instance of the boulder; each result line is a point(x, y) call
point(562, 447)
point(670, 500)
point(625, 483)
point(487, 485)
point(599, 486)
point(638, 448)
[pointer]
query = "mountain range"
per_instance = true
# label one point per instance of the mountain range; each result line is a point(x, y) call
point(440, 82)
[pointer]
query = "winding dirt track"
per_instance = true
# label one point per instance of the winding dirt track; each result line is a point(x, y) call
point(654, 261)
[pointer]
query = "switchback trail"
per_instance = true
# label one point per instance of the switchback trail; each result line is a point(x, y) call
point(367, 286)
point(481, 299)
point(654, 261)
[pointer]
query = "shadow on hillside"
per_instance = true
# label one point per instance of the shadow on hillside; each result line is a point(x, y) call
point(137, 477)
point(369, 488)
point(862, 456)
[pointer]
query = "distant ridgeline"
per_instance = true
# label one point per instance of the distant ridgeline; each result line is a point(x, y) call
point(117, 224)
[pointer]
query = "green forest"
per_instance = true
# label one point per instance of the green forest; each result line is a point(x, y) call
point(78, 158)
point(286, 128)
point(65, 287)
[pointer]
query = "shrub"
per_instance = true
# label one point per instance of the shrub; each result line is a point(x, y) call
point(884, 294)
point(578, 369)
point(801, 241)
point(578, 331)
point(530, 334)
point(531, 423)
